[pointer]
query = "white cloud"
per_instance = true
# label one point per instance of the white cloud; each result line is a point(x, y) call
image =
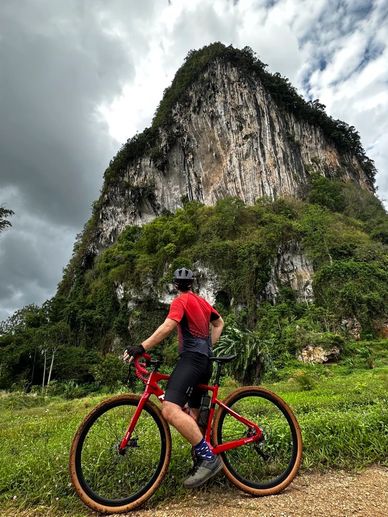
point(333, 51)
point(353, 84)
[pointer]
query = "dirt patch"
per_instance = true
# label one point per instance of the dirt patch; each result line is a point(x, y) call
point(333, 494)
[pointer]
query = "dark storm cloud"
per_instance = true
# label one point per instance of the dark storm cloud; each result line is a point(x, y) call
point(56, 67)
point(59, 60)
point(32, 255)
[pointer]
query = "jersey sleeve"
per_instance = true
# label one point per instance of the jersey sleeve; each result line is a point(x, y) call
point(214, 315)
point(176, 311)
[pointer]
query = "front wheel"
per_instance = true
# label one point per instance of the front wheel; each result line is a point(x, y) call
point(106, 480)
point(268, 466)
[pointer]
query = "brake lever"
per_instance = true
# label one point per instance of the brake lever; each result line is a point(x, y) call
point(130, 360)
point(148, 362)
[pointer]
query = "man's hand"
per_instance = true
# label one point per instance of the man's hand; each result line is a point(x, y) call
point(133, 351)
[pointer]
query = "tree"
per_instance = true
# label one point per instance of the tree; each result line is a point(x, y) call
point(4, 213)
point(51, 338)
point(28, 317)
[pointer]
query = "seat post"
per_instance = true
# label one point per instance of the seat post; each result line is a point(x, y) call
point(218, 374)
point(219, 361)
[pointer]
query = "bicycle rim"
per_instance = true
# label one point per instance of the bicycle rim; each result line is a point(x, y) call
point(111, 482)
point(268, 466)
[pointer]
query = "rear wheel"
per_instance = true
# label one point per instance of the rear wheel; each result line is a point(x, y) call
point(110, 482)
point(268, 466)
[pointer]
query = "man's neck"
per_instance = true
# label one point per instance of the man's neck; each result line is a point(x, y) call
point(184, 292)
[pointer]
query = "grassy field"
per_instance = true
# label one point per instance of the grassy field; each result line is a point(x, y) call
point(342, 410)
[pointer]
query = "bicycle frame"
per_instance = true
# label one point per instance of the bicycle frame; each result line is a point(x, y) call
point(151, 379)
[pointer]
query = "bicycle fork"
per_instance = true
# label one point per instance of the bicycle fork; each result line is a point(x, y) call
point(127, 438)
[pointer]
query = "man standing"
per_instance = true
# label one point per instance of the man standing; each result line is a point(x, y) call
point(194, 317)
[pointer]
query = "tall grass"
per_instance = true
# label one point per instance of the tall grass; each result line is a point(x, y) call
point(343, 416)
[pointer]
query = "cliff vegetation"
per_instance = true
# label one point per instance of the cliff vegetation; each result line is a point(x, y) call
point(342, 230)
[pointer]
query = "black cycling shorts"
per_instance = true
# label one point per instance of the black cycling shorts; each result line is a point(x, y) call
point(191, 369)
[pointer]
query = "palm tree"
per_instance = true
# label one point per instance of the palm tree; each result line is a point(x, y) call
point(4, 213)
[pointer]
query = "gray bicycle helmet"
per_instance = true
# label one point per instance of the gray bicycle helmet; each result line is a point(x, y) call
point(183, 274)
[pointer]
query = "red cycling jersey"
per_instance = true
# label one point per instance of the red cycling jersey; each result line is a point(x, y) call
point(194, 315)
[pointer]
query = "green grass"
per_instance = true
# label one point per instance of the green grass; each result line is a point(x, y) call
point(342, 412)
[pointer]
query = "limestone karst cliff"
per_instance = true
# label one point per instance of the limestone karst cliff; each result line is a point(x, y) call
point(227, 135)
point(281, 204)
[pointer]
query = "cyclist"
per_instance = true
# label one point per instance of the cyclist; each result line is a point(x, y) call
point(193, 316)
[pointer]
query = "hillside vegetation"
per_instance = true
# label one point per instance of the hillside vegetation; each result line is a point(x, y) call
point(342, 230)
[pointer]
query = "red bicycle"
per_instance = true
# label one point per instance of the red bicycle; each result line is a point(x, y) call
point(121, 451)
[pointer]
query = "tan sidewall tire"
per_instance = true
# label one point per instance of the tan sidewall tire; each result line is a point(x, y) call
point(278, 488)
point(73, 473)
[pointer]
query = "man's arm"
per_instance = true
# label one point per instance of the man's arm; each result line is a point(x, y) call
point(217, 326)
point(160, 333)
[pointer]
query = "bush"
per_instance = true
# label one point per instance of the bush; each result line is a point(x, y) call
point(304, 380)
point(327, 193)
point(252, 355)
point(71, 390)
point(353, 289)
point(110, 372)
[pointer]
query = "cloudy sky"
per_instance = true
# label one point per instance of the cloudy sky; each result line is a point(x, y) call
point(79, 77)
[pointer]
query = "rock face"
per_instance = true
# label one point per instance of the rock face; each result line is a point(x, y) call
point(319, 355)
point(353, 327)
point(291, 269)
point(228, 138)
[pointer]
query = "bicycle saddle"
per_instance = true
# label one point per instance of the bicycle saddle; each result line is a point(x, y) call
point(224, 359)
